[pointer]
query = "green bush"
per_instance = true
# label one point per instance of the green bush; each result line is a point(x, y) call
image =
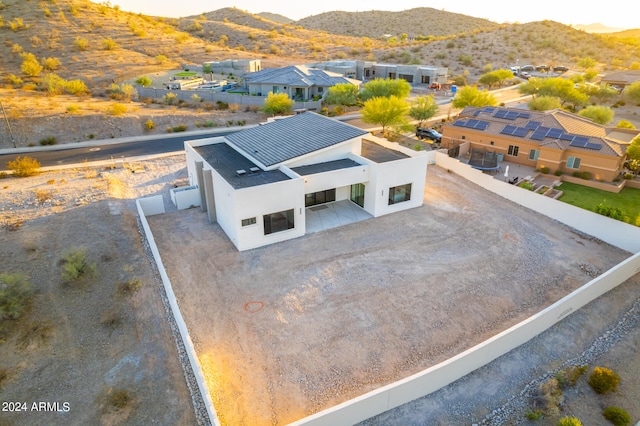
point(558, 172)
point(628, 176)
point(610, 211)
point(15, 294)
point(76, 266)
point(49, 140)
point(180, 128)
point(617, 416)
point(222, 105)
point(603, 380)
point(585, 175)
point(569, 376)
point(128, 287)
point(24, 166)
point(534, 415)
point(526, 185)
point(149, 125)
point(544, 170)
point(569, 421)
point(209, 123)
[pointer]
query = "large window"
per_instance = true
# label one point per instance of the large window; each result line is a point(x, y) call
point(534, 154)
point(398, 194)
point(573, 162)
point(513, 150)
point(319, 197)
point(277, 222)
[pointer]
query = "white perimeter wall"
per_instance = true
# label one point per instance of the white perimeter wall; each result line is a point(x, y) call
point(430, 380)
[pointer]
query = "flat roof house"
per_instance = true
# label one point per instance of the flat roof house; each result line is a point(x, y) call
point(555, 139)
point(257, 184)
point(297, 81)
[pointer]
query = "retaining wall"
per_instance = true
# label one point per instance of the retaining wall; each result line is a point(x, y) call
point(150, 206)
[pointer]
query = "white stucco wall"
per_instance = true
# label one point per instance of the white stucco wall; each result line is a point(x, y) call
point(342, 150)
point(336, 179)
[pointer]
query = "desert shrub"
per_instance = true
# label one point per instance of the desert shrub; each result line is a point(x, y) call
point(72, 109)
point(617, 416)
point(628, 176)
point(169, 129)
point(209, 123)
point(569, 421)
point(180, 128)
point(13, 79)
point(417, 147)
point(49, 140)
point(30, 65)
point(15, 295)
point(170, 98)
point(51, 64)
point(569, 376)
point(222, 105)
point(241, 122)
point(534, 415)
point(161, 59)
point(603, 380)
point(548, 397)
point(24, 166)
point(109, 44)
point(76, 265)
point(129, 286)
point(76, 87)
point(544, 170)
point(116, 109)
point(234, 107)
point(149, 124)
point(119, 399)
point(43, 195)
point(81, 43)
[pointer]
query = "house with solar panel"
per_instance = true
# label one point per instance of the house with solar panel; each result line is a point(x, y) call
point(299, 174)
point(555, 139)
point(299, 82)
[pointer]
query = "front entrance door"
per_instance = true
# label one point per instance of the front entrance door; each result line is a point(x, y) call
point(357, 194)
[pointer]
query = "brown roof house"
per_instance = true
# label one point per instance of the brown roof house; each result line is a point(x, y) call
point(622, 79)
point(555, 139)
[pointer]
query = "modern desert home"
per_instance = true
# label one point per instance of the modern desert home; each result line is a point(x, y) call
point(258, 183)
point(558, 140)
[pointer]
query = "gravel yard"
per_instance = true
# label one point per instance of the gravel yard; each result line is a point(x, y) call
point(290, 329)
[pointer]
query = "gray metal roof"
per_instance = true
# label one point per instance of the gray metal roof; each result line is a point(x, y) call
point(227, 161)
point(328, 166)
point(281, 140)
point(296, 76)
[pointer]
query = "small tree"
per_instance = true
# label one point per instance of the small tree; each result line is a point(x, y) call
point(495, 77)
point(385, 88)
point(472, 96)
point(633, 150)
point(544, 103)
point(30, 65)
point(278, 104)
point(603, 380)
point(143, 81)
point(345, 94)
point(599, 114)
point(24, 166)
point(423, 109)
point(586, 63)
point(385, 111)
point(632, 92)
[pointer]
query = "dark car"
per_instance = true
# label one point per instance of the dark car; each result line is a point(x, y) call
point(425, 133)
point(560, 69)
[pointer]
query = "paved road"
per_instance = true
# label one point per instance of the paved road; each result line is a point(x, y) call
point(104, 152)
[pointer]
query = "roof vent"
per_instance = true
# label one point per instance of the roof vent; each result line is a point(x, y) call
point(254, 169)
point(241, 172)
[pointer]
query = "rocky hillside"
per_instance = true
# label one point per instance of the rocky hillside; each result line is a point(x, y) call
point(423, 21)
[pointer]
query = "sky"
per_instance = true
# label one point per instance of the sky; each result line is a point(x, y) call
point(610, 13)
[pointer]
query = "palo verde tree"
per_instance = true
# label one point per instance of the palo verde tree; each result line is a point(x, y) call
point(632, 92)
point(278, 104)
point(543, 103)
point(143, 81)
point(472, 96)
point(558, 87)
point(345, 94)
point(385, 88)
point(633, 155)
point(597, 113)
point(496, 77)
point(423, 109)
point(387, 112)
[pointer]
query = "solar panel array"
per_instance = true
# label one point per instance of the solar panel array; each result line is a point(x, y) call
point(510, 115)
point(472, 124)
point(488, 109)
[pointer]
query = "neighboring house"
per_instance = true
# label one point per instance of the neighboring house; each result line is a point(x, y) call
point(258, 183)
point(234, 66)
point(369, 70)
point(555, 139)
point(622, 79)
point(297, 81)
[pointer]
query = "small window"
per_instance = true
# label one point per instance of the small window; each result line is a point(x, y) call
point(399, 194)
point(513, 150)
point(573, 163)
point(534, 154)
point(250, 221)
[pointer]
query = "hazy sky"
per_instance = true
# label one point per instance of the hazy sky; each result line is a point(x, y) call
point(611, 13)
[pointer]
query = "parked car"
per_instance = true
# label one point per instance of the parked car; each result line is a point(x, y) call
point(525, 75)
point(425, 133)
point(560, 69)
point(527, 68)
point(542, 68)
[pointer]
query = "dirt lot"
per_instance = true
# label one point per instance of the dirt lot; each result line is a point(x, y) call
point(86, 341)
point(287, 330)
